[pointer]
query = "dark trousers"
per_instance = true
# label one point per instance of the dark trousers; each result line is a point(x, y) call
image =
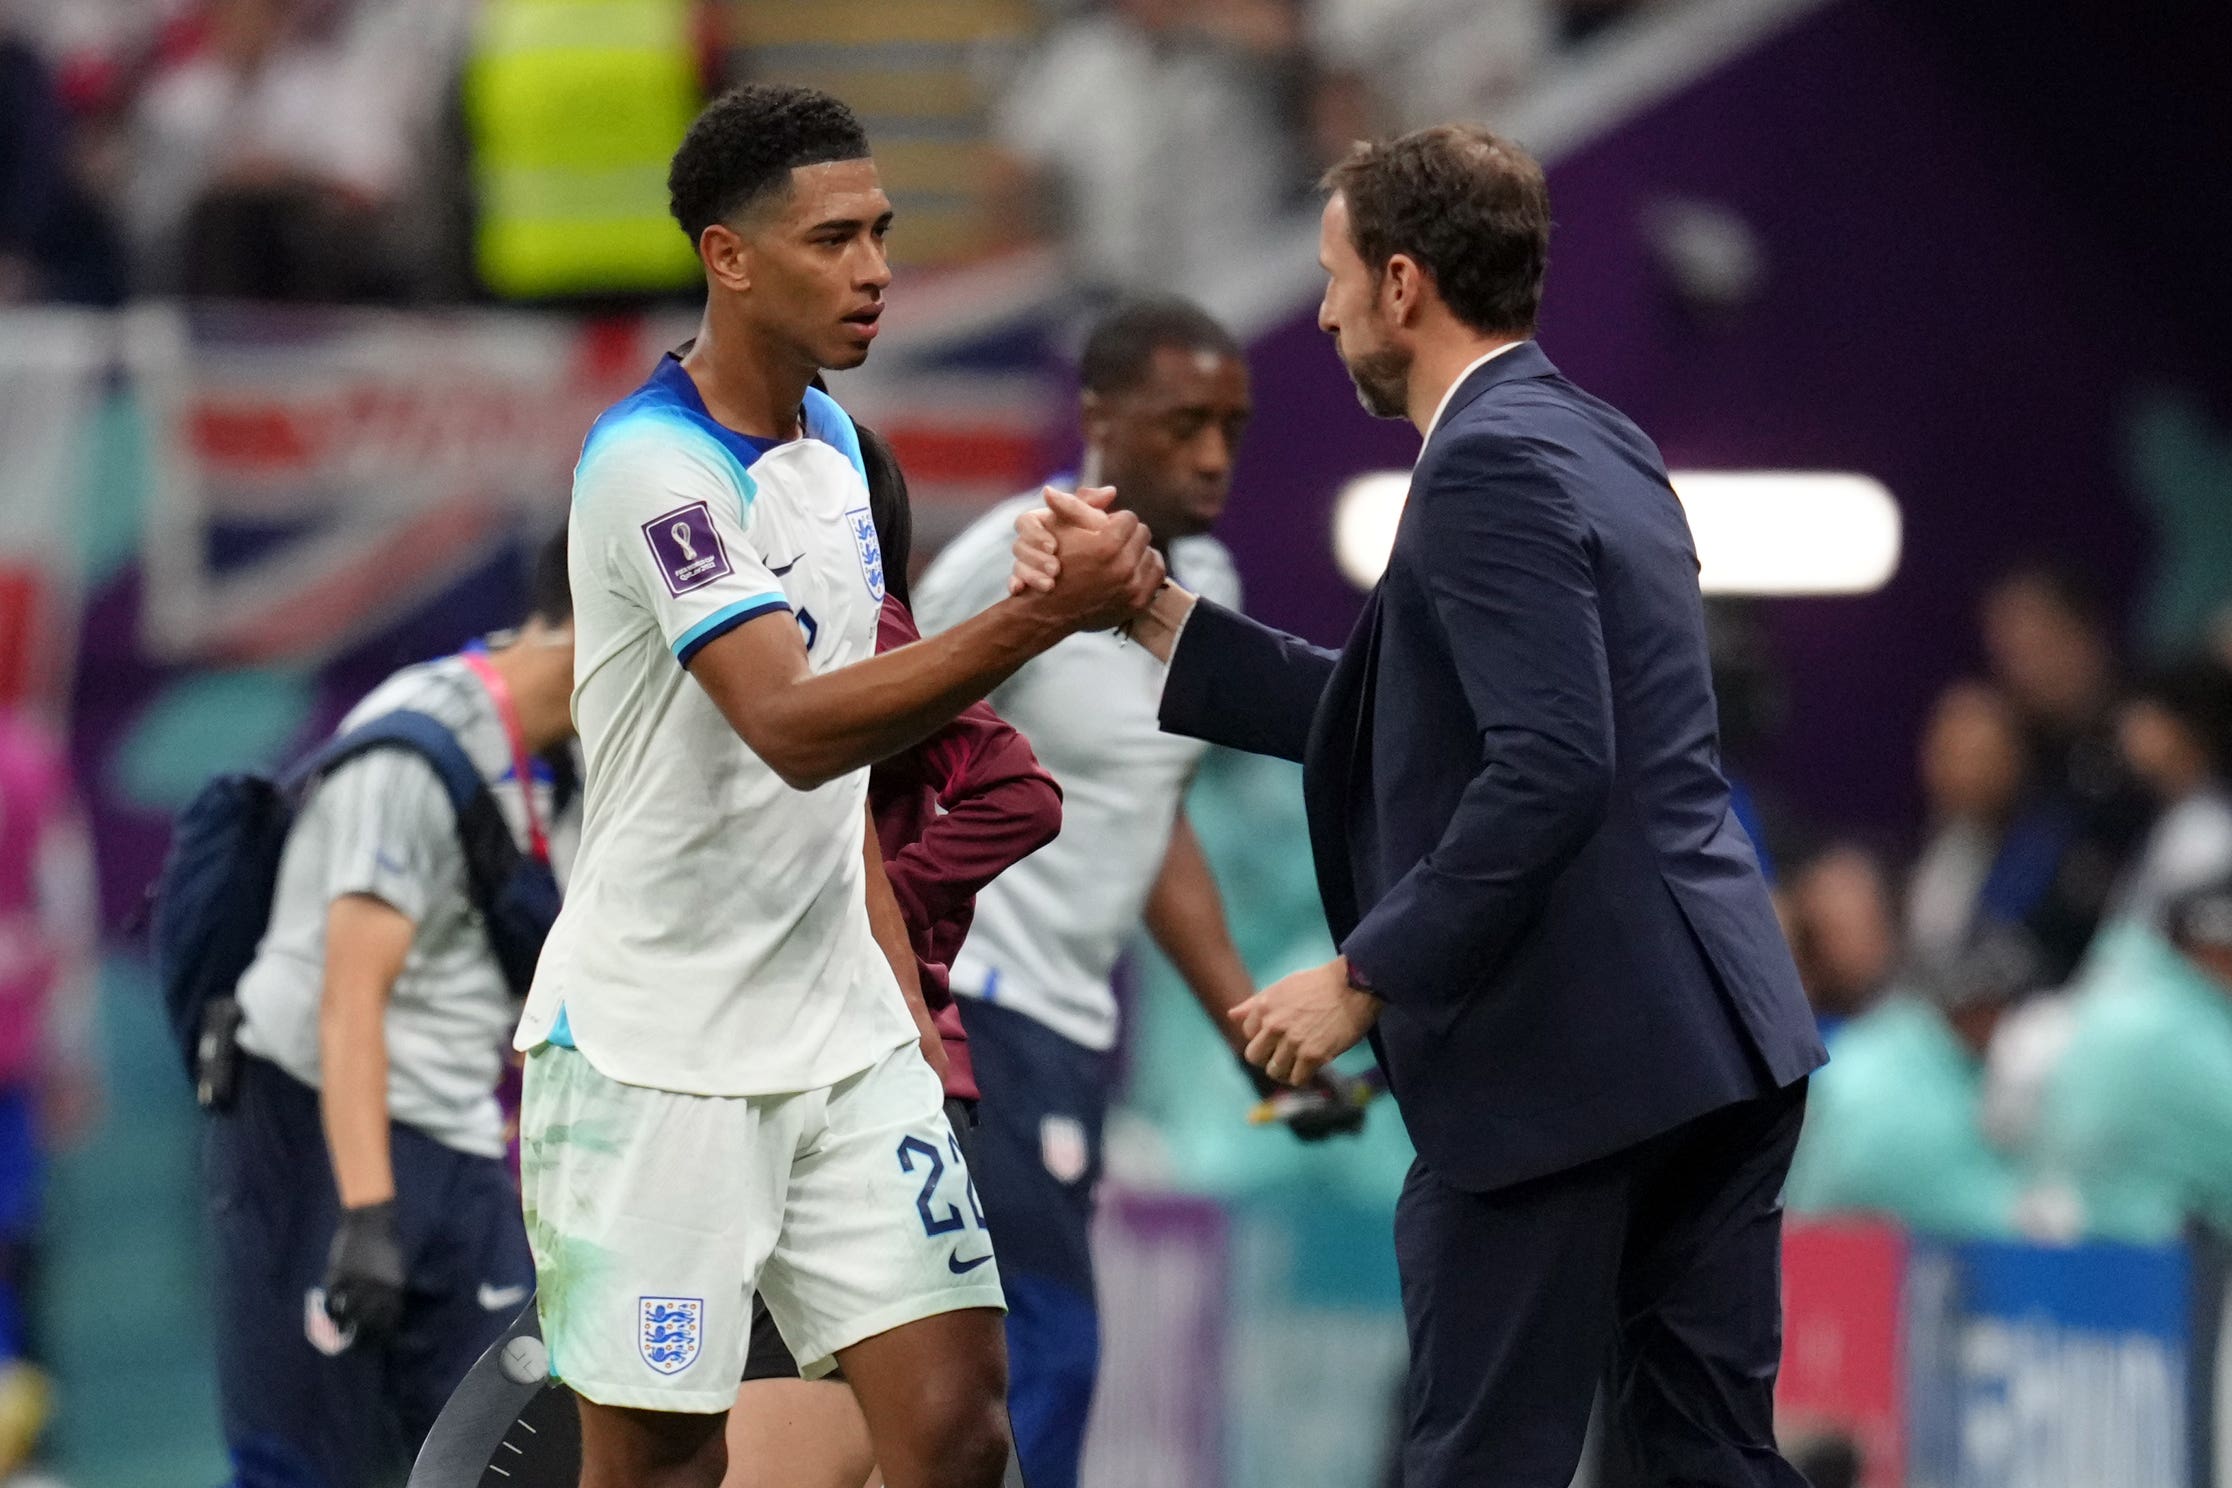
point(303, 1409)
point(1656, 1271)
point(1037, 1160)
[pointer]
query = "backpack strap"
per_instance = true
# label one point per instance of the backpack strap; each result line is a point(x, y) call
point(490, 852)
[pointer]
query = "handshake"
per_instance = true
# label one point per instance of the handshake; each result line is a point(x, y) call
point(1084, 565)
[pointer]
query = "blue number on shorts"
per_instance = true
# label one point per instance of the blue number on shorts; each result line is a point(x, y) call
point(931, 1223)
point(976, 1210)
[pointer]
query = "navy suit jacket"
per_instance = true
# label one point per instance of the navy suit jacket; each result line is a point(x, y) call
point(1522, 834)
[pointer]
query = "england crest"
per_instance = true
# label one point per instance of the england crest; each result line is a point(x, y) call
point(863, 524)
point(671, 1332)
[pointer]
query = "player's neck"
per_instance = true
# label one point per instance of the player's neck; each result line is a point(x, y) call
point(747, 386)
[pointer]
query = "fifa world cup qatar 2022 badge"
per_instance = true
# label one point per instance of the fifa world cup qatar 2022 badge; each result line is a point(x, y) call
point(688, 549)
point(671, 1331)
point(863, 525)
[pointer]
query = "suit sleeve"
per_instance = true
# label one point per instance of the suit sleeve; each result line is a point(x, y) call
point(1506, 559)
point(1244, 685)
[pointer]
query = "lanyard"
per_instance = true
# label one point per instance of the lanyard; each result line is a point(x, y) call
point(499, 693)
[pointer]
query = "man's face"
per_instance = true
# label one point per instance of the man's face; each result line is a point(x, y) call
point(817, 265)
point(1168, 443)
point(1351, 314)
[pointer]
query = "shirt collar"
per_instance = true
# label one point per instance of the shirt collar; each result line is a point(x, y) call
point(1478, 363)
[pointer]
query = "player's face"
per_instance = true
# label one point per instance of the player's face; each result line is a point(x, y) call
point(1168, 444)
point(1351, 313)
point(818, 270)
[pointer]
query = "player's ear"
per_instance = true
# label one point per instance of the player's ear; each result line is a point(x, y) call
point(726, 256)
point(1092, 416)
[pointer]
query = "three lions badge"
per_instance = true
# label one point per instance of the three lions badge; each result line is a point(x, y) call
point(671, 1332)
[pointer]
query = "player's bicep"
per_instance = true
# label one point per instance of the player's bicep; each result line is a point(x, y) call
point(747, 670)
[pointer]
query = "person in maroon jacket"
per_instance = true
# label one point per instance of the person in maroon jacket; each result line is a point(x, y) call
point(951, 814)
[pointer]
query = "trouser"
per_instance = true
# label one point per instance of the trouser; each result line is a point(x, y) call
point(303, 1405)
point(1037, 1160)
point(1656, 1270)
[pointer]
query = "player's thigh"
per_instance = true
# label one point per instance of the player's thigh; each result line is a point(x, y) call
point(932, 1393)
point(622, 1447)
point(881, 1225)
point(792, 1433)
point(647, 1248)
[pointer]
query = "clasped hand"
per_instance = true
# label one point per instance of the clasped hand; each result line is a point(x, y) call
point(1076, 546)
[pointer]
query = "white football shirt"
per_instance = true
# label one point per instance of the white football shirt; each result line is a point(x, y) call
point(715, 936)
point(1048, 930)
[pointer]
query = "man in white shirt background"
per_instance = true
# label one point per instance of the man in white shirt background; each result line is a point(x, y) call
point(1165, 401)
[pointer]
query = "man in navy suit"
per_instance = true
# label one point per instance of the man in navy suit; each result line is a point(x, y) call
point(1550, 923)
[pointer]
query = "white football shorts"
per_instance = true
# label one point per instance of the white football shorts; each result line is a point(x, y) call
point(655, 1215)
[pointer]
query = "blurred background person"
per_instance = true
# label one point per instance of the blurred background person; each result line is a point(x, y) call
point(284, 154)
point(2046, 634)
point(369, 1243)
point(1894, 1125)
point(1156, 140)
point(2135, 1137)
point(1843, 933)
point(2175, 730)
point(1991, 854)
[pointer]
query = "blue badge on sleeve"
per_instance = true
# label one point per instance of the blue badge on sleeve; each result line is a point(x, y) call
point(689, 551)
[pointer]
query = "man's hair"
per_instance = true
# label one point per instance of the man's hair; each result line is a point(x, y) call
point(746, 144)
point(1122, 344)
point(889, 508)
point(549, 589)
point(1469, 207)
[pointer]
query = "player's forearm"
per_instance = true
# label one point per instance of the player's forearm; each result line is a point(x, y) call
point(1185, 916)
point(366, 943)
point(823, 726)
point(889, 926)
point(352, 1092)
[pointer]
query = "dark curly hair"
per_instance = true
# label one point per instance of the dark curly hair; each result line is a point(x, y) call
point(1469, 206)
point(1123, 343)
point(746, 144)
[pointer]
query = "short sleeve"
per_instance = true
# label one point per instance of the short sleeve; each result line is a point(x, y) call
point(665, 511)
point(390, 832)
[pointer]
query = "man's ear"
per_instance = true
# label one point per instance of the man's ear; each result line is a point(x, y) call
point(726, 256)
point(1403, 290)
point(1093, 414)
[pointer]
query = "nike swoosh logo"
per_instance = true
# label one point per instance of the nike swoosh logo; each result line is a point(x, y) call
point(786, 568)
point(387, 861)
point(496, 1299)
point(959, 1267)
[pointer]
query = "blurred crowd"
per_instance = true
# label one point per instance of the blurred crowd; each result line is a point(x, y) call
point(2030, 1014)
point(430, 151)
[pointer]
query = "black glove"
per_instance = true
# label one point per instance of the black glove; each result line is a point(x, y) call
point(1335, 1108)
point(1331, 1105)
point(364, 1273)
